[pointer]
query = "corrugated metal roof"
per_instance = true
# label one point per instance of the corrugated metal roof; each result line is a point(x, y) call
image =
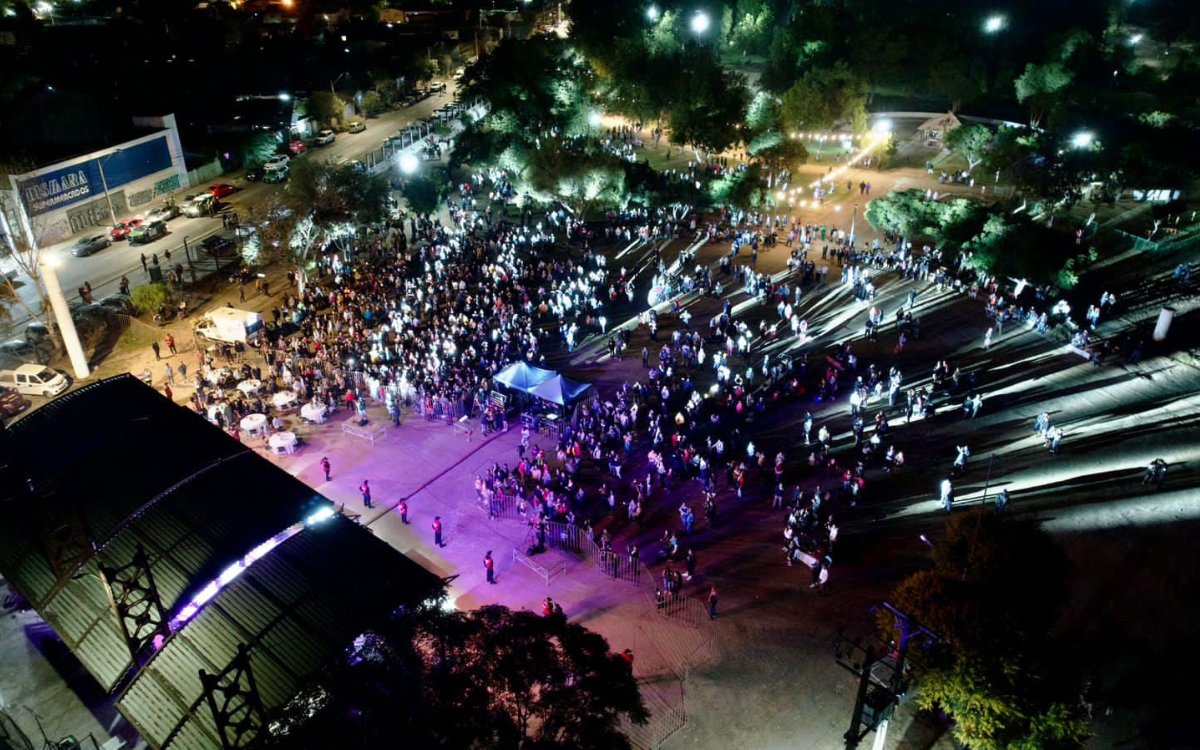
point(296, 608)
point(192, 525)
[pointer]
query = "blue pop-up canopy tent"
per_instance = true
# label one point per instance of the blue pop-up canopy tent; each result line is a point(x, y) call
point(522, 377)
point(560, 390)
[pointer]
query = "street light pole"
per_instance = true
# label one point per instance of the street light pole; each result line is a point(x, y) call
point(853, 219)
point(62, 315)
point(104, 182)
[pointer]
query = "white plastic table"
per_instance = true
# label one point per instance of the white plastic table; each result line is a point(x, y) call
point(253, 423)
point(313, 412)
point(250, 387)
point(284, 399)
point(283, 442)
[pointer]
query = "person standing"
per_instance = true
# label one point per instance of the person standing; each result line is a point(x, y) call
point(145, 266)
point(167, 391)
point(325, 467)
point(365, 489)
point(155, 347)
point(403, 508)
point(170, 374)
point(171, 344)
point(490, 566)
point(1001, 501)
point(712, 603)
point(183, 372)
point(437, 531)
point(689, 564)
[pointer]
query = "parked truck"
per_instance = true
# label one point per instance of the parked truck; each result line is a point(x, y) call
point(229, 325)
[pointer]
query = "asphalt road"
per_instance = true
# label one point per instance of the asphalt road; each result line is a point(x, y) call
point(103, 270)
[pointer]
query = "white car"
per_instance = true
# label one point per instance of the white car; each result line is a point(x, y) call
point(326, 137)
point(277, 162)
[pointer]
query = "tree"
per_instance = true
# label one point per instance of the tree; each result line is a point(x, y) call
point(25, 260)
point(992, 597)
point(325, 106)
point(1039, 85)
point(371, 103)
point(970, 142)
point(427, 68)
point(778, 150)
point(149, 297)
point(425, 193)
point(320, 205)
point(744, 189)
point(708, 103)
point(488, 678)
point(826, 97)
point(1017, 247)
point(580, 181)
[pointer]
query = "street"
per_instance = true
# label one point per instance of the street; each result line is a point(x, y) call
point(103, 270)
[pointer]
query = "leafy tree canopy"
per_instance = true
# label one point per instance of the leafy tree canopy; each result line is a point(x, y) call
point(992, 597)
point(826, 97)
point(488, 678)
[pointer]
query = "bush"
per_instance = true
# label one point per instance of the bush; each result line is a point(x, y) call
point(149, 297)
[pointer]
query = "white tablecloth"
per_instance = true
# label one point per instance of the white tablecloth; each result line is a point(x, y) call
point(313, 412)
point(285, 441)
point(284, 399)
point(250, 387)
point(254, 422)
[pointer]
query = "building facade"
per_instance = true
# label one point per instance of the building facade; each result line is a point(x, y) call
point(54, 202)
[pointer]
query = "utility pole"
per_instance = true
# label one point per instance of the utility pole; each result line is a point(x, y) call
point(882, 682)
point(104, 183)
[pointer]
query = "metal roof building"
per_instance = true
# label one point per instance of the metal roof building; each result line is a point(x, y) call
point(122, 516)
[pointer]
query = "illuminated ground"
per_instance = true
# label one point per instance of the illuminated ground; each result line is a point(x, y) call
point(763, 675)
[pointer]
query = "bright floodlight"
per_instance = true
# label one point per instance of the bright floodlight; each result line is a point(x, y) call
point(408, 163)
point(882, 126)
point(652, 12)
point(1136, 39)
point(700, 22)
point(993, 24)
point(1082, 139)
point(285, 97)
point(594, 119)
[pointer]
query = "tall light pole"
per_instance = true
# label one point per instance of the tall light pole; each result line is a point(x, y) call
point(334, 83)
point(62, 315)
point(853, 219)
point(104, 182)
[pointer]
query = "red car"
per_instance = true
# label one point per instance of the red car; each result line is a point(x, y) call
point(297, 147)
point(121, 231)
point(221, 189)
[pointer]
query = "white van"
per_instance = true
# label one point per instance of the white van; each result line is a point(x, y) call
point(34, 380)
point(228, 325)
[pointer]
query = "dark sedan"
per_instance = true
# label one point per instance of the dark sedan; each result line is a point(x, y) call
point(89, 245)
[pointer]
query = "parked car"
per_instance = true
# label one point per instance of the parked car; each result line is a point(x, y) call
point(89, 245)
point(122, 229)
point(255, 174)
point(19, 351)
point(221, 189)
point(12, 403)
point(325, 137)
point(297, 147)
point(276, 176)
point(165, 212)
point(204, 204)
point(148, 232)
point(278, 161)
point(437, 87)
point(356, 126)
point(119, 303)
point(34, 380)
point(411, 100)
point(216, 246)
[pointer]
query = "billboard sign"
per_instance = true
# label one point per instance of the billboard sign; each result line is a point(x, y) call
point(66, 186)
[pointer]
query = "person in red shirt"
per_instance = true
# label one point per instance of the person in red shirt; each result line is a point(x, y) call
point(437, 531)
point(490, 566)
